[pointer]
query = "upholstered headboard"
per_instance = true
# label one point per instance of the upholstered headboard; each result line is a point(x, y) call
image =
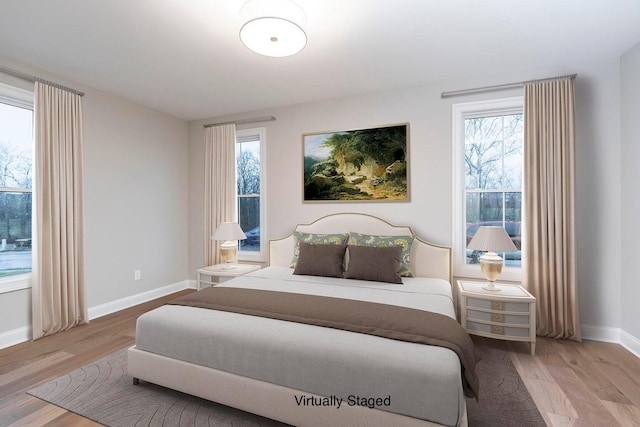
point(427, 259)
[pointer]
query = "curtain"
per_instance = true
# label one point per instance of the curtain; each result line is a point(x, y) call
point(219, 186)
point(549, 208)
point(58, 291)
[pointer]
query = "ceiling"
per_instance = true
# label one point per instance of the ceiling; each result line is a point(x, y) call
point(185, 58)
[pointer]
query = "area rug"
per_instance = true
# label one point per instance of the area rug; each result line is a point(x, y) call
point(504, 400)
point(103, 392)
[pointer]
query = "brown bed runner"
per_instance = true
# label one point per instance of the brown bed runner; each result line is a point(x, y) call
point(383, 320)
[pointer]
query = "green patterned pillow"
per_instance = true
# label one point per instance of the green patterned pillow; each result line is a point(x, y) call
point(383, 241)
point(315, 239)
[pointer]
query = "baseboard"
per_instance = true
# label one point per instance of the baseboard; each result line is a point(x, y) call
point(600, 333)
point(612, 335)
point(20, 335)
point(130, 301)
point(630, 342)
point(15, 336)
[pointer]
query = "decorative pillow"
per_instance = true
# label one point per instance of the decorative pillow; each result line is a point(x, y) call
point(376, 263)
point(315, 239)
point(383, 241)
point(320, 260)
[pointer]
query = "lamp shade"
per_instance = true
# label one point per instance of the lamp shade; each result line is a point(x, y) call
point(492, 239)
point(273, 27)
point(228, 231)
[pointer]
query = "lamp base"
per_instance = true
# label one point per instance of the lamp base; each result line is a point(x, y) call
point(491, 286)
point(491, 267)
point(229, 252)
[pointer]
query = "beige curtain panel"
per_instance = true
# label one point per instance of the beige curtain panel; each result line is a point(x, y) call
point(58, 291)
point(549, 209)
point(219, 184)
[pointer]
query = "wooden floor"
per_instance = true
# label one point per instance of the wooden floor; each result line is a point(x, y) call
point(573, 384)
point(578, 384)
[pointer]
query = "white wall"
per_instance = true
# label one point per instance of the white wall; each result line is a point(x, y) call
point(136, 198)
point(598, 199)
point(630, 126)
point(136, 209)
point(430, 209)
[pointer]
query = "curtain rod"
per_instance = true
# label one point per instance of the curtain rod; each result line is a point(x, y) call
point(502, 87)
point(30, 78)
point(243, 121)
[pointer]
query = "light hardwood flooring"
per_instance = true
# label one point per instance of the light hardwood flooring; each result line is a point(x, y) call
point(573, 384)
point(578, 384)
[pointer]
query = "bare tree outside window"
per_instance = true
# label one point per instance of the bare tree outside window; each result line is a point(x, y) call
point(16, 174)
point(248, 187)
point(248, 165)
point(493, 177)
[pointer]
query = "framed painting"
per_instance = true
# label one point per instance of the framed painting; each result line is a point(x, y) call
point(357, 165)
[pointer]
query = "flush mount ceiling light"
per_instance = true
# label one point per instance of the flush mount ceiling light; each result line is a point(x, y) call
point(273, 27)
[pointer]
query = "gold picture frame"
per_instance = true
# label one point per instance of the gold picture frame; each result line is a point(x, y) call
point(362, 165)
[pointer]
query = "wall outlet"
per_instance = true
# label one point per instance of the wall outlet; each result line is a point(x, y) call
point(137, 275)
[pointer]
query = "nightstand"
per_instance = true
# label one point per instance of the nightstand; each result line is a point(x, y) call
point(217, 272)
point(507, 314)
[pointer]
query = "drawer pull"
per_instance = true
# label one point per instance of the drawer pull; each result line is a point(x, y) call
point(497, 305)
point(498, 330)
point(499, 318)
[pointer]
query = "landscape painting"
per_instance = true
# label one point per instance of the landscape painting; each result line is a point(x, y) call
point(357, 165)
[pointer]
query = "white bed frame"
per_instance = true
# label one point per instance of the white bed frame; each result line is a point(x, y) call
point(275, 401)
point(427, 259)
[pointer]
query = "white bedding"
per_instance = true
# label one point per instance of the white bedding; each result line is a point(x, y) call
point(408, 294)
point(422, 381)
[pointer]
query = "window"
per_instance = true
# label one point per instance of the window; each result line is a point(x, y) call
point(16, 174)
point(250, 184)
point(488, 150)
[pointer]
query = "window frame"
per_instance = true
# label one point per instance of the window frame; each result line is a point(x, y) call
point(261, 255)
point(460, 112)
point(21, 98)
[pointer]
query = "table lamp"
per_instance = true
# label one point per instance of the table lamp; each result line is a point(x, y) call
point(229, 233)
point(491, 239)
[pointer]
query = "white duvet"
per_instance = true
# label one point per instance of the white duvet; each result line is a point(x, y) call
point(417, 380)
point(415, 292)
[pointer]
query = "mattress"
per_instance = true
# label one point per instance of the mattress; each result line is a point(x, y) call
point(411, 379)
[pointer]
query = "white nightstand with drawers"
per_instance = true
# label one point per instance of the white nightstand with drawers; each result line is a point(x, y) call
point(507, 314)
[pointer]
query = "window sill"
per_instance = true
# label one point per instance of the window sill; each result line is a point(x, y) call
point(251, 257)
point(507, 275)
point(15, 283)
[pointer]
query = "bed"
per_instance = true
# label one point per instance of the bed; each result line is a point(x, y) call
point(304, 374)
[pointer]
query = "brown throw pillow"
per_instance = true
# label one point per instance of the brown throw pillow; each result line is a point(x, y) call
point(379, 264)
point(320, 260)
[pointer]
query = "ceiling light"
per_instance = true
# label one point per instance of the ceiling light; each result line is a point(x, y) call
point(273, 27)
